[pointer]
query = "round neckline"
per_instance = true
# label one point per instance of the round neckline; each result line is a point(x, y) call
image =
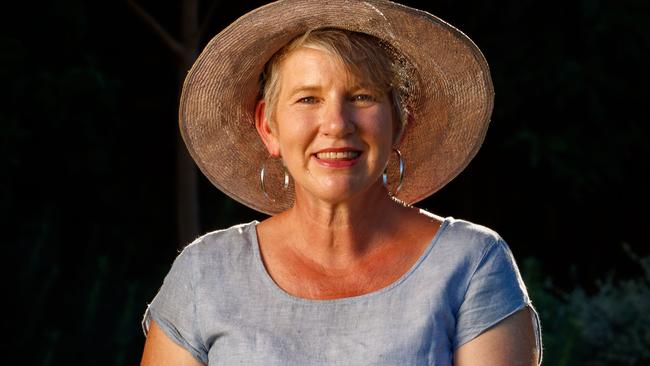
point(279, 291)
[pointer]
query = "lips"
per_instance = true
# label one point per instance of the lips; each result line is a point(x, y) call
point(338, 155)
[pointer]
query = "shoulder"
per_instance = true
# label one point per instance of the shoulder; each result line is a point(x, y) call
point(462, 245)
point(466, 237)
point(468, 233)
point(220, 246)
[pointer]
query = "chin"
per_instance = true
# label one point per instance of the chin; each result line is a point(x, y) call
point(337, 191)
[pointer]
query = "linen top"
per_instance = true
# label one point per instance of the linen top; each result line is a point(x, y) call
point(219, 302)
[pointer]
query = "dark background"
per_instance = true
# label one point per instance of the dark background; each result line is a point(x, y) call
point(87, 177)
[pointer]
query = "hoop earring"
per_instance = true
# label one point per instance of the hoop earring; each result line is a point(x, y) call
point(285, 184)
point(384, 175)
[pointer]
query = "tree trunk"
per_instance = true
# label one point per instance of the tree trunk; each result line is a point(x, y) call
point(186, 51)
point(187, 190)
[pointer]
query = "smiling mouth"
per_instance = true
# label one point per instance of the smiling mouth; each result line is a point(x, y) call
point(338, 155)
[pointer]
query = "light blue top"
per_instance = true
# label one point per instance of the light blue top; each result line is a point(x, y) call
point(220, 304)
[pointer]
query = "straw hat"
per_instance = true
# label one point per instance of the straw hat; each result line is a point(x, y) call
point(450, 103)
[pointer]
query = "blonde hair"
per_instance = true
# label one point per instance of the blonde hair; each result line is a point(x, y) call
point(364, 56)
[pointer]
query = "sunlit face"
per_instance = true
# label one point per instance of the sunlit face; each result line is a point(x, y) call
point(333, 132)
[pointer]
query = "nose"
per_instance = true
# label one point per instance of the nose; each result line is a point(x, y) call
point(337, 120)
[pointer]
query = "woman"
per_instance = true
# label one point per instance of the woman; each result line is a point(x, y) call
point(345, 271)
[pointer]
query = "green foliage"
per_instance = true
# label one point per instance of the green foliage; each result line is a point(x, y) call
point(609, 327)
point(559, 331)
point(614, 322)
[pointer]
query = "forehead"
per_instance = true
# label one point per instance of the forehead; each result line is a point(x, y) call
point(315, 65)
point(308, 58)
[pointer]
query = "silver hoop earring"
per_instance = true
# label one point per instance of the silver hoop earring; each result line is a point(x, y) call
point(384, 175)
point(285, 184)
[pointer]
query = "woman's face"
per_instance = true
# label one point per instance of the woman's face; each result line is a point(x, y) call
point(333, 132)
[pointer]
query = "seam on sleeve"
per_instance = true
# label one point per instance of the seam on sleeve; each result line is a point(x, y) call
point(172, 333)
point(526, 301)
point(488, 249)
point(519, 307)
point(193, 280)
point(496, 243)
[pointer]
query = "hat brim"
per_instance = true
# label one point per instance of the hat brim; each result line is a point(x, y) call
point(450, 107)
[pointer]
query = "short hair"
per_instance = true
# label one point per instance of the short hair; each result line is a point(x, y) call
point(365, 56)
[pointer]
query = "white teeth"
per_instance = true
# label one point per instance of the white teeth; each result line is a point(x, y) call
point(338, 155)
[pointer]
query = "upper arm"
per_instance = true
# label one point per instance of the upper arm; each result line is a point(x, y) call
point(160, 350)
point(511, 342)
point(171, 319)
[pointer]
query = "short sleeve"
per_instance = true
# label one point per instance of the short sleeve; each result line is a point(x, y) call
point(495, 291)
point(174, 307)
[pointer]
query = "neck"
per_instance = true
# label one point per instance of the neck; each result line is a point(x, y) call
point(342, 233)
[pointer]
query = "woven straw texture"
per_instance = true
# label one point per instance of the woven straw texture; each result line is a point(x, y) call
point(451, 96)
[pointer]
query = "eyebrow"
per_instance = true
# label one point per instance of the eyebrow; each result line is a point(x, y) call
point(316, 88)
point(304, 88)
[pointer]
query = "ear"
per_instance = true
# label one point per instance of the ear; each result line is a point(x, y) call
point(265, 130)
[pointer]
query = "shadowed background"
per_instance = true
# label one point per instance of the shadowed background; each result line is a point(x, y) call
point(89, 180)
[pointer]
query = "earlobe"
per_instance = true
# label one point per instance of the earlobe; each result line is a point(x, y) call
point(265, 130)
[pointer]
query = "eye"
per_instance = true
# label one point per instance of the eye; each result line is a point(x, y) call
point(363, 98)
point(307, 100)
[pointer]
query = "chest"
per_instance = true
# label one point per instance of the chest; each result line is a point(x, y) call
point(393, 331)
point(310, 281)
point(307, 279)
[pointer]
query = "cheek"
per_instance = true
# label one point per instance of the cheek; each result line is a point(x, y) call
point(380, 127)
point(295, 134)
